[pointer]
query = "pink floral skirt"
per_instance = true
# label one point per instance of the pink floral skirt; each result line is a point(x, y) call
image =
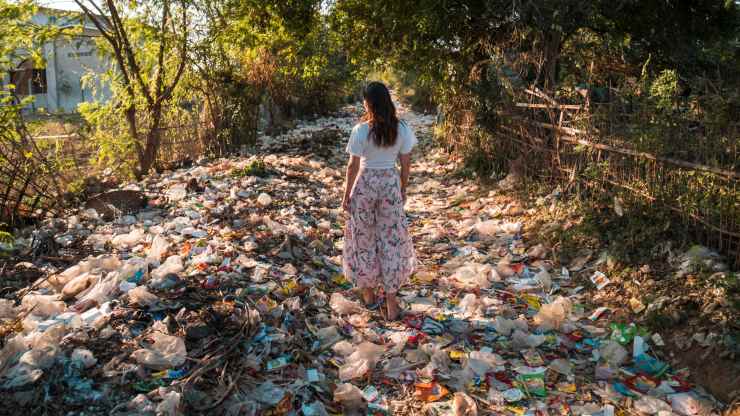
point(377, 246)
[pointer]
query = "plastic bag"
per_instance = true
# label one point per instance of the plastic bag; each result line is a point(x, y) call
point(686, 404)
point(487, 229)
point(134, 270)
point(552, 315)
point(472, 276)
point(166, 352)
point(173, 264)
point(545, 280)
point(364, 358)
point(264, 199)
point(159, 248)
point(613, 353)
point(78, 285)
point(8, 309)
point(82, 357)
point(141, 296)
point(170, 404)
point(503, 326)
point(131, 239)
point(42, 305)
point(464, 405)
point(469, 305)
point(650, 405)
point(100, 292)
point(344, 306)
point(483, 362)
point(350, 397)
point(268, 393)
point(141, 404)
point(520, 340)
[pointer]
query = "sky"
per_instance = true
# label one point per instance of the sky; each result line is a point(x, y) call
point(59, 4)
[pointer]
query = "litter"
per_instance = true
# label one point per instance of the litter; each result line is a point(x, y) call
point(225, 295)
point(165, 352)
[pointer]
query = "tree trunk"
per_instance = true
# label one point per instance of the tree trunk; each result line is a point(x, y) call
point(148, 157)
point(551, 58)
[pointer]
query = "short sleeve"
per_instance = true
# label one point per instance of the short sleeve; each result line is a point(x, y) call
point(355, 145)
point(408, 138)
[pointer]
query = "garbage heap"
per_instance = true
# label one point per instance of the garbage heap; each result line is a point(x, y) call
point(225, 295)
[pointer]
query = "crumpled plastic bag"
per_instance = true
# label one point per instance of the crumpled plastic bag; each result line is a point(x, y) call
point(268, 393)
point(166, 352)
point(439, 362)
point(545, 280)
point(687, 404)
point(344, 306)
point(482, 362)
point(651, 405)
point(552, 315)
point(79, 284)
point(464, 405)
point(141, 404)
point(487, 229)
point(131, 239)
point(8, 309)
point(350, 397)
point(173, 264)
point(100, 292)
point(521, 340)
point(20, 375)
point(141, 296)
point(363, 359)
point(472, 276)
point(83, 358)
point(503, 326)
point(43, 305)
point(170, 404)
point(160, 246)
point(613, 353)
point(469, 305)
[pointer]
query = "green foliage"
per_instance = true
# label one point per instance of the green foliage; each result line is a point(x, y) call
point(256, 168)
point(665, 89)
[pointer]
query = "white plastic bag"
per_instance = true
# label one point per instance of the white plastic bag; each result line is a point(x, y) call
point(141, 296)
point(159, 248)
point(364, 358)
point(131, 239)
point(43, 305)
point(350, 397)
point(482, 362)
point(551, 316)
point(173, 264)
point(166, 352)
point(344, 306)
point(472, 276)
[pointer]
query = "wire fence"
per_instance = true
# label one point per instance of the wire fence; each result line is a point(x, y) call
point(619, 149)
point(36, 171)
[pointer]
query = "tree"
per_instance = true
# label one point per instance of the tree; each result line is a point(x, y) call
point(140, 36)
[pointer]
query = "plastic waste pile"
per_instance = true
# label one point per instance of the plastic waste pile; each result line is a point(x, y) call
point(225, 296)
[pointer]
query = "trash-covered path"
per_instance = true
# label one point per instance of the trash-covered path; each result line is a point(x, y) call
point(225, 296)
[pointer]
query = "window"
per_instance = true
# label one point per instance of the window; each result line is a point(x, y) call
point(38, 81)
point(28, 80)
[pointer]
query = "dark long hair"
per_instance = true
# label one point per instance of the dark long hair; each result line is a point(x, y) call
point(381, 115)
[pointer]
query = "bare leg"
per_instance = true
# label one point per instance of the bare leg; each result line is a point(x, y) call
point(391, 302)
point(368, 296)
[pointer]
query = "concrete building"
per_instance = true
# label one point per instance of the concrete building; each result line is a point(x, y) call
point(57, 87)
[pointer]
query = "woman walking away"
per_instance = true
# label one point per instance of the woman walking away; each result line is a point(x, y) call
point(378, 251)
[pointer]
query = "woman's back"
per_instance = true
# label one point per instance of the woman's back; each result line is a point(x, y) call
point(373, 156)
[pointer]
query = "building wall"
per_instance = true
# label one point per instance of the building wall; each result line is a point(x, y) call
point(67, 60)
point(73, 59)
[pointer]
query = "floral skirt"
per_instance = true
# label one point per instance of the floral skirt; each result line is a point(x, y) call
point(377, 246)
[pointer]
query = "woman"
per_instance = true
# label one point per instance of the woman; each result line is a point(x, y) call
point(378, 252)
